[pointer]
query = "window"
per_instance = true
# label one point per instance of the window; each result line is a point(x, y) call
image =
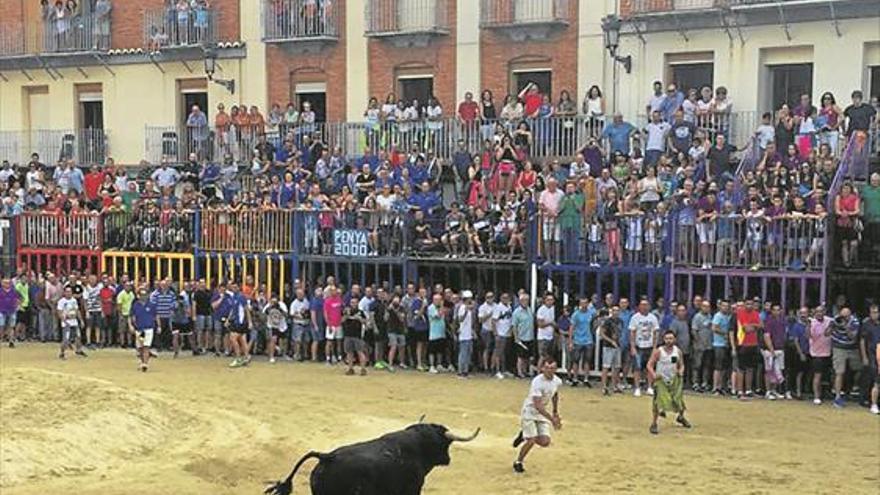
point(317, 100)
point(543, 78)
point(789, 82)
point(416, 88)
point(690, 70)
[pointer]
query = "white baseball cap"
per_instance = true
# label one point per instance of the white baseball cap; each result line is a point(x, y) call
point(466, 294)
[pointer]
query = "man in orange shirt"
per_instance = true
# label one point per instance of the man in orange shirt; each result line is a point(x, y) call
point(744, 345)
point(222, 122)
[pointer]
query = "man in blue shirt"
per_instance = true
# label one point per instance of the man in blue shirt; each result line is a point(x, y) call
point(238, 321)
point(143, 321)
point(580, 342)
point(624, 315)
point(797, 350)
point(618, 134)
point(720, 345)
point(165, 300)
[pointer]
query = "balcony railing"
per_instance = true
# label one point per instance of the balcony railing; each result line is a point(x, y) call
point(402, 17)
point(85, 146)
point(12, 40)
point(501, 13)
point(77, 33)
point(299, 20)
point(642, 7)
point(171, 27)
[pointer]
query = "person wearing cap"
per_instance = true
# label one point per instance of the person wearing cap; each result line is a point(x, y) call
point(143, 321)
point(466, 316)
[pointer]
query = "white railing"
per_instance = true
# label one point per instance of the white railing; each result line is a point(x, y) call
point(388, 17)
point(172, 27)
point(512, 12)
point(85, 146)
point(299, 19)
point(738, 127)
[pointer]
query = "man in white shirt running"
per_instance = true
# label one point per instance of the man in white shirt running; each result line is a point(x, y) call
point(535, 420)
point(666, 372)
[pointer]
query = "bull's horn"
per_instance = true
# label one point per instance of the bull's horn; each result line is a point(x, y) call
point(421, 418)
point(455, 438)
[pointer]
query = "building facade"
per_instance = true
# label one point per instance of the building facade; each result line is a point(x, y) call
point(122, 82)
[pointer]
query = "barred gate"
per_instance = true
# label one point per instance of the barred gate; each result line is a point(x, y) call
point(51, 230)
point(273, 273)
point(148, 268)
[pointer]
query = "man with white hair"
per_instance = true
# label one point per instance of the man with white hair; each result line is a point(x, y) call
point(548, 203)
point(466, 318)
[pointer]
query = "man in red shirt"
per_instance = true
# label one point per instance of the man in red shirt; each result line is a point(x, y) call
point(744, 345)
point(107, 296)
point(92, 183)
point(468, 109)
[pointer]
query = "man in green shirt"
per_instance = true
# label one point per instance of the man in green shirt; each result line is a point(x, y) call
point(871, 206)
point(570, 208)
point(523, 322)
point(124, 300)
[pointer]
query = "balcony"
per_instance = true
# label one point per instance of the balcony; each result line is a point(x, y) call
point(301, 25)
point(84, 146)
point(406, 23)
point(170, 27)
point(647, 16)
point(522, 20)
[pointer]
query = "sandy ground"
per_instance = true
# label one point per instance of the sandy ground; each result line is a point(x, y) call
point(193, 426)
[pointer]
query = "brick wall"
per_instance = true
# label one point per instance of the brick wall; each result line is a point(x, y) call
point(229, 13)
point(284, 69)
point(498, 55)
point(438, 58)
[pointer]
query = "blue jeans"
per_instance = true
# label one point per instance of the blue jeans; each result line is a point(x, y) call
point(652, 157)
point(570, 246)
point(465, 350)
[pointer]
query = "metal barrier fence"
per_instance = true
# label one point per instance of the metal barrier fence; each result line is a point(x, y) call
point(180, 25)
point(12, 40)
point(269, 231)
point(641, 239)
point(753, 243)
point(50, 230)
point(150, 267)
point(295, 19)
point(272, 271)
point(149, 229)
point(386, 17)
point(355, 233)
point(85, 146)
point(60, 260)
point(510, 12)
point(175, 144)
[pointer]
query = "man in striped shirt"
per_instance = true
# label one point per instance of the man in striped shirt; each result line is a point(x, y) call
point(165, 300)
point(94, 316)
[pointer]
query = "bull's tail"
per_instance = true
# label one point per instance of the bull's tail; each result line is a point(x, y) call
point(286, 487)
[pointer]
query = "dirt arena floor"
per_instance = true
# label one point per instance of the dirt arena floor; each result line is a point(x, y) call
point(193, 426)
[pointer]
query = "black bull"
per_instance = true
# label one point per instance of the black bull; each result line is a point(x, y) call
point(393, 464)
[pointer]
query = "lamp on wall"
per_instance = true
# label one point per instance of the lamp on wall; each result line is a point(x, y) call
point(611, 29)
point(211, 67)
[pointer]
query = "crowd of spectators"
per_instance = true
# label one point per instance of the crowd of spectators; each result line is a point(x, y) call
point(744, 348)
point(635, 193)
point(67, 26)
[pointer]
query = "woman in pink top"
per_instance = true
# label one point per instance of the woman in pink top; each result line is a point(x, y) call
point(846, 207)
point(820, 350)
point(333, 317)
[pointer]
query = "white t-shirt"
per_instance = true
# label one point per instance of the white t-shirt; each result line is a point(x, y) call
point(166, 177)
point(276, 316)
point(484, 313)
point(645, 327)
point(546, 313)
point(298, 309)
point(503, 317)
point(466, 323)
point(657, 136)
point(69, 310)
point(544, 389)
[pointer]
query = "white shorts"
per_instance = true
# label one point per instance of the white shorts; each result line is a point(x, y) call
point(551, 231)
point(532, 428)
point(145, 337)
point(333, 333)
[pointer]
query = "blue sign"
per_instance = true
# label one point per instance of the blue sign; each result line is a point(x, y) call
point(350, 242)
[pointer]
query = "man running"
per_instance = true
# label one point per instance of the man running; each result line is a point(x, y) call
point(666, 371)
point(143, 322)
point(239, 320)
point(276, 321)
point(535, 420)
